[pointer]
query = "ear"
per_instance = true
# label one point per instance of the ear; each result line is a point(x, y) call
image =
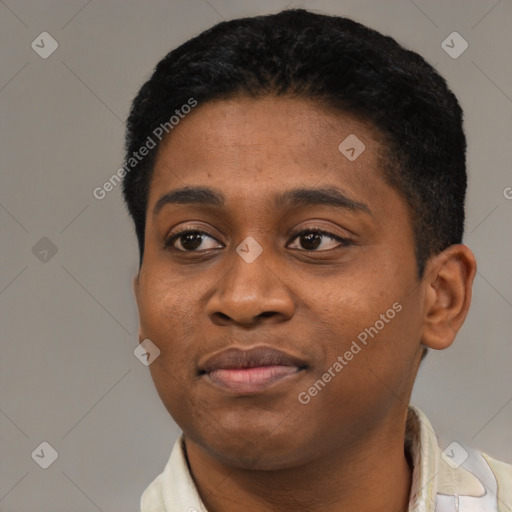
point(136, 287)
point(448, 284)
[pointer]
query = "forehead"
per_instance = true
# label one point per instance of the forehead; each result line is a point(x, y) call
point(265, 143)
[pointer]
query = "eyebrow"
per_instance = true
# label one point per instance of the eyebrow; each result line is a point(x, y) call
point(323, 196)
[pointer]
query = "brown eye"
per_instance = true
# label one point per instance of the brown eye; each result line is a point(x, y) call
point(191, 240)
point(313, 239)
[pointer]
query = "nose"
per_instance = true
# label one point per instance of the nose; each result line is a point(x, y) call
point(250, 293)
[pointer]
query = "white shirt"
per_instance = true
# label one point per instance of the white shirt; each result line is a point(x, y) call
point(458, 479)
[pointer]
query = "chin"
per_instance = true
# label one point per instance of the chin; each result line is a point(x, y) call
point(264, 454)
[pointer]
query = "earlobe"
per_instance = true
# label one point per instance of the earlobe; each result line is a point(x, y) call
point(448, 280)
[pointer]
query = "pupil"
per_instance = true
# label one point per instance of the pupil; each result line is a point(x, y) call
point(311, 241)
point(193, 239)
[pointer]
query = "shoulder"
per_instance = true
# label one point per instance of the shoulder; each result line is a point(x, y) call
point(152, 499)
point(474, 480)
point(503, 475)
point(458, 478)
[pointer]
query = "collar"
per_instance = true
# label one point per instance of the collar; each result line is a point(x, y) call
point(443, 480)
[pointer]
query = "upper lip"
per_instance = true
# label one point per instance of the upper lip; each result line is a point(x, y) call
point(234, 357)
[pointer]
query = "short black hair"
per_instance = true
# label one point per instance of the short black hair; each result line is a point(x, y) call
point(340, 64)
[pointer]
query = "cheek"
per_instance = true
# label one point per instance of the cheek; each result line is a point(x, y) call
point(371, 323)
point(349, 304)
point(167, 318)
point(162, 302)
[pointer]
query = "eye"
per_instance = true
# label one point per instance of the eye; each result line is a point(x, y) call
point(191, 240)
point(318, 240)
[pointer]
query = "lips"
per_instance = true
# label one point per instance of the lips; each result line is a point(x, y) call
point(251, 370)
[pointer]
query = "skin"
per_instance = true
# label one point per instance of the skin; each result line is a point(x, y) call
point(344, 450)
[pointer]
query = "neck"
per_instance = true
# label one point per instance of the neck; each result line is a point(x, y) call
point(372, 475)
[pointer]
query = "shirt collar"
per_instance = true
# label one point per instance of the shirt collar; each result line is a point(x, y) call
point(432, 475)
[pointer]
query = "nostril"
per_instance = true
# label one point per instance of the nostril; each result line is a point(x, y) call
point(266, 314)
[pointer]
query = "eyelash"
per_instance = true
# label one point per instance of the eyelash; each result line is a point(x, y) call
point(344, 242)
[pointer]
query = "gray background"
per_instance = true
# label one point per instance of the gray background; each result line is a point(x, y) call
point(69, 324)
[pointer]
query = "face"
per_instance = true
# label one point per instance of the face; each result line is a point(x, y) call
point(281, 288)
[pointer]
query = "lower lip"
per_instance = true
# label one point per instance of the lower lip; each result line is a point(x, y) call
point(251, 380)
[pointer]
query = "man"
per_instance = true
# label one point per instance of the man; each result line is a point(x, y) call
point(297, 185)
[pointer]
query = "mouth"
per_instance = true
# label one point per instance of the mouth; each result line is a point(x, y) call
point(250, 371)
